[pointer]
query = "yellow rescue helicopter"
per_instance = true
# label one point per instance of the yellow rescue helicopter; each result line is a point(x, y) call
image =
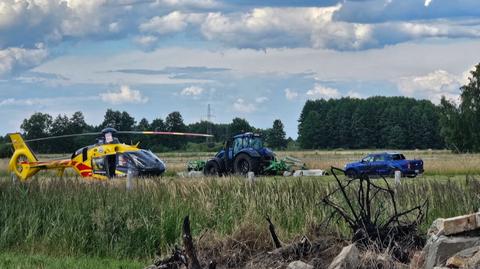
point(106, 159)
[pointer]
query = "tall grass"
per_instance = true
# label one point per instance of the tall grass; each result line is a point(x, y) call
point(75, 218)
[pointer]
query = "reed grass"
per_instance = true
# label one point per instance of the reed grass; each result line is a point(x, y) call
point(76, 218)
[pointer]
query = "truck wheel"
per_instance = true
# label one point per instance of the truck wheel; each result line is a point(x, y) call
point(212, 169)
point(351, 173)
point(244, 164)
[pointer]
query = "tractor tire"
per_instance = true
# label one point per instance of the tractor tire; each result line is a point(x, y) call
point(351, 173)
point(212, 169)
point(244, 163)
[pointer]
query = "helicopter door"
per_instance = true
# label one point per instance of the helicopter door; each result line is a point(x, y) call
point(104, 165)
point(111, 161)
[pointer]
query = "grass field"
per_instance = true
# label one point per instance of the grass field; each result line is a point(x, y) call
point(12, 260)
point(78, 219)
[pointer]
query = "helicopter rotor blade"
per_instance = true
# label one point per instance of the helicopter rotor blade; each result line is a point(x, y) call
point(163, 133)
point(60, 136)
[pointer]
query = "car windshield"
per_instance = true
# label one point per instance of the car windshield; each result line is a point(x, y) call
point(256, 142)
point(143, 158)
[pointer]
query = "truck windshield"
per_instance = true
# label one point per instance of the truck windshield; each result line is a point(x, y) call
point(256, 142)
point(397, 157)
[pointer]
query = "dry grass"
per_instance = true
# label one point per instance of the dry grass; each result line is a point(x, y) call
point(437, 162)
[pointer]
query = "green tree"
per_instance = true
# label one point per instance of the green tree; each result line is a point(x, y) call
point(239, 125)
point(118, 120)
point(77, 125)
point(276, 136)
point(460, 125)
point(60, 126)
point(156, 143)
point(37, 126)
point(143, 125)
point(174, 123)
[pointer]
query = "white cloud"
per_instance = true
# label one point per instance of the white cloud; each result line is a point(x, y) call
point(44, 102)
point(146, 41)
point(123, 96)
point(261, 99)
point(17, 59)
point(192, 91)
point(319, 91)
point(24, 23)
point(290, 94)
point(173, 22)
point(188, 3)
point(354, 94)
point(240, 105)
point(432, 86)
point(317, 27)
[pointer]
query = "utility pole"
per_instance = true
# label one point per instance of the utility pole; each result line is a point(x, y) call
point(209, 124)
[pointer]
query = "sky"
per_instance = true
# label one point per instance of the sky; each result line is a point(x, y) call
point(258, 60)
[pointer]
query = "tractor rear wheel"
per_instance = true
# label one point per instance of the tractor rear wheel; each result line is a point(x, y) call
point(212, 169)
point(244, 164)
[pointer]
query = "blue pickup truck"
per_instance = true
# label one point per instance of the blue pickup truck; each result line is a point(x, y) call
point(384, 164)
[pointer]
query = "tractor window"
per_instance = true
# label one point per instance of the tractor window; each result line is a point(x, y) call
point(237, 145)
point(256, 143)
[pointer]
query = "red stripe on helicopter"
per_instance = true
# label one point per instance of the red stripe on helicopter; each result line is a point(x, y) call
point(81, 167)
point(86, 174)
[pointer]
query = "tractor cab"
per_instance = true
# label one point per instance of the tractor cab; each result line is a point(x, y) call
point(241, 154)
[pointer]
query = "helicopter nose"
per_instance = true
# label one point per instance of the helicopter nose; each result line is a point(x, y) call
point(162, 167)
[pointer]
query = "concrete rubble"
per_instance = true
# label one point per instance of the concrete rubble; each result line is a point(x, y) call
point(299, 265)
point(452, 243)
point(309, 173)
point(348, 258)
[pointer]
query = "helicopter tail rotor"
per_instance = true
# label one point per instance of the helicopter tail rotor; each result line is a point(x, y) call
point(21, 159)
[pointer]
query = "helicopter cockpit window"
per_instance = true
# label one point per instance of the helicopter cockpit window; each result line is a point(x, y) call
point(122, 160)
point(98, 165)
point(143, 158)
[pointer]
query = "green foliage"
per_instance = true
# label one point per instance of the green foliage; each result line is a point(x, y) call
point(38, 125)
point(118, 120)
point(376, 122)
point(275, 137)
point(174, 123)
point(239, 125)
point(461, 124)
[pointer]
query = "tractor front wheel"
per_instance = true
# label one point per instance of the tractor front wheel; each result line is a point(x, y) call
point(212, 169)
point(244, 164)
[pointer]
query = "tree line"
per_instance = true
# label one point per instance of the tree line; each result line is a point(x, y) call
point(394, 122)
point(41, 125)
point(375, 122)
